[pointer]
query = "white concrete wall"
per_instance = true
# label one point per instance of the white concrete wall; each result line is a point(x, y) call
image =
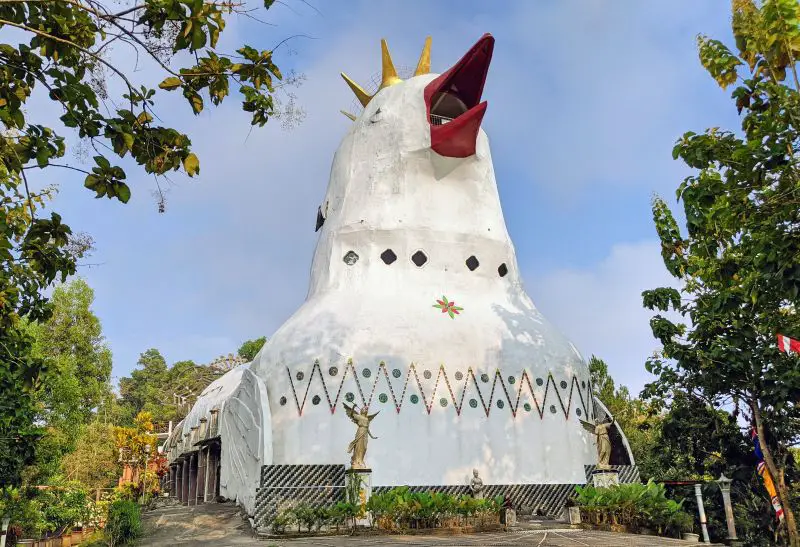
point(246, 435)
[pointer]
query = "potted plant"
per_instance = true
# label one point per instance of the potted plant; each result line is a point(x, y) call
point(573, 511)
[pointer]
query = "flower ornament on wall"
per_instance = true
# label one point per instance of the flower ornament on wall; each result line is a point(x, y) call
point(448, 307)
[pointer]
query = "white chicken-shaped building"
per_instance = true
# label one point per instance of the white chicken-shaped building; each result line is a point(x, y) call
point(415, 310)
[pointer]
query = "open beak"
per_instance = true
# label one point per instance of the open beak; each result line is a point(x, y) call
point(452, 102)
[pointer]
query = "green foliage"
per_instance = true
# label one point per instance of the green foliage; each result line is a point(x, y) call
point(249, 349)
point(94, 460)
point(634, 505)
point(59, 53)
point(165, 393)
point(737, 261)
point(401, 508)
point(124, 522)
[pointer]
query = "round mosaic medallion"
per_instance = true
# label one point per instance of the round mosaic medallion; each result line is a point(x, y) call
point(282, 401)
point(396, 373)
point(578, 411)
point(414, 399)
point(333, 371)
point(511, 379)
point(349, 397)
point(316, 399)
point(527, 407)
point(366, 373)
point(427, 374)
point(583, 384)
point(539, 381)
point(484, 378)
point(443, 401)
point(553, 409)
point(473, 403)
point(563, 384)
point(459, 376)
point(500, 404)
point(383, 397)
point(300, 375)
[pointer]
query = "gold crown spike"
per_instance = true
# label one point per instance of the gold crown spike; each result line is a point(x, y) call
point(424, 64)
point(351, 116)
point(363, 97)
point(389, 73)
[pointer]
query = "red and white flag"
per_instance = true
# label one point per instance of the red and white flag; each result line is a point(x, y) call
point(788, 345)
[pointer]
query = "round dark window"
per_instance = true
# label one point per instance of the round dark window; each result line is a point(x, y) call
point(419, 259)
point(427, 374)
point(282, 401)
point(333, 371)
point(316, 399)
point(396, 373)
point(500, 404)
point(578, 411)
point(383, 397)
point(527, 407)
point(300, 375)
point(414, 399)
point(472, 263)
point(443, 401)
point(583, 384)
point(539, 381)
point(511, 379)
point(473, 403)
point(349, 397)
point(563, 384)
point(502, 270)
point(459, 376)
point(553, 409)
point(484, 378)
point(366, 373)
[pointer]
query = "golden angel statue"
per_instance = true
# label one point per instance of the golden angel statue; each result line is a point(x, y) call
point(358, 446)
point(600, 430)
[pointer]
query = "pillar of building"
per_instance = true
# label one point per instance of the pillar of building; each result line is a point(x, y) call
point(192, 499)
point(202, 465)
point(185, 480)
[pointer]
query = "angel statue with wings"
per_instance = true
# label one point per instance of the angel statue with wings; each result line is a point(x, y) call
point(600, 430)
point(358, 446)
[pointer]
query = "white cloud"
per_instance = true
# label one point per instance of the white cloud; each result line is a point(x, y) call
point(600, 308)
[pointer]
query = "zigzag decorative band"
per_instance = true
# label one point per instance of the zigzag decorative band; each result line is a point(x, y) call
point(512, 398)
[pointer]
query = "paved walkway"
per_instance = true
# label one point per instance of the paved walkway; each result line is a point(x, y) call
point(222, 525)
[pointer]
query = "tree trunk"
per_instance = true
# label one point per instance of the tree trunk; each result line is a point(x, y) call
point(777, 476)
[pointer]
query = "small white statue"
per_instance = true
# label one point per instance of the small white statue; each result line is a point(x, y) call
point(476, 485)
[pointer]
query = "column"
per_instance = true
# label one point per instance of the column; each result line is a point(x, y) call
point(725, 485)
point(702, 510)
point(202, 464)
point(192, 499)
point(185, 477)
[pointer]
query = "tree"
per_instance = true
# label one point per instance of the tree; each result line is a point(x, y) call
point(94, 462)
point(249, 349)
point(739, 262)
point(66, 61)
point(165, 393)
point(72, 344)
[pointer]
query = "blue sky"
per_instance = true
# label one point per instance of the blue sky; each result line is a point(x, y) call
point(586, 99)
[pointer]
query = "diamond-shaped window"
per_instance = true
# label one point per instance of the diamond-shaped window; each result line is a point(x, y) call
point(388, 256)
point(419, 259)
point(502, 270)
point(350, 258)
point(472, 263)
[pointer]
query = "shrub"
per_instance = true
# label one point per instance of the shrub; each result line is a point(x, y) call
point(124, 522)
point(634, 505)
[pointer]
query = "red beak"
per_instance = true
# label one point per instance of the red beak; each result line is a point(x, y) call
point(452, 102)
